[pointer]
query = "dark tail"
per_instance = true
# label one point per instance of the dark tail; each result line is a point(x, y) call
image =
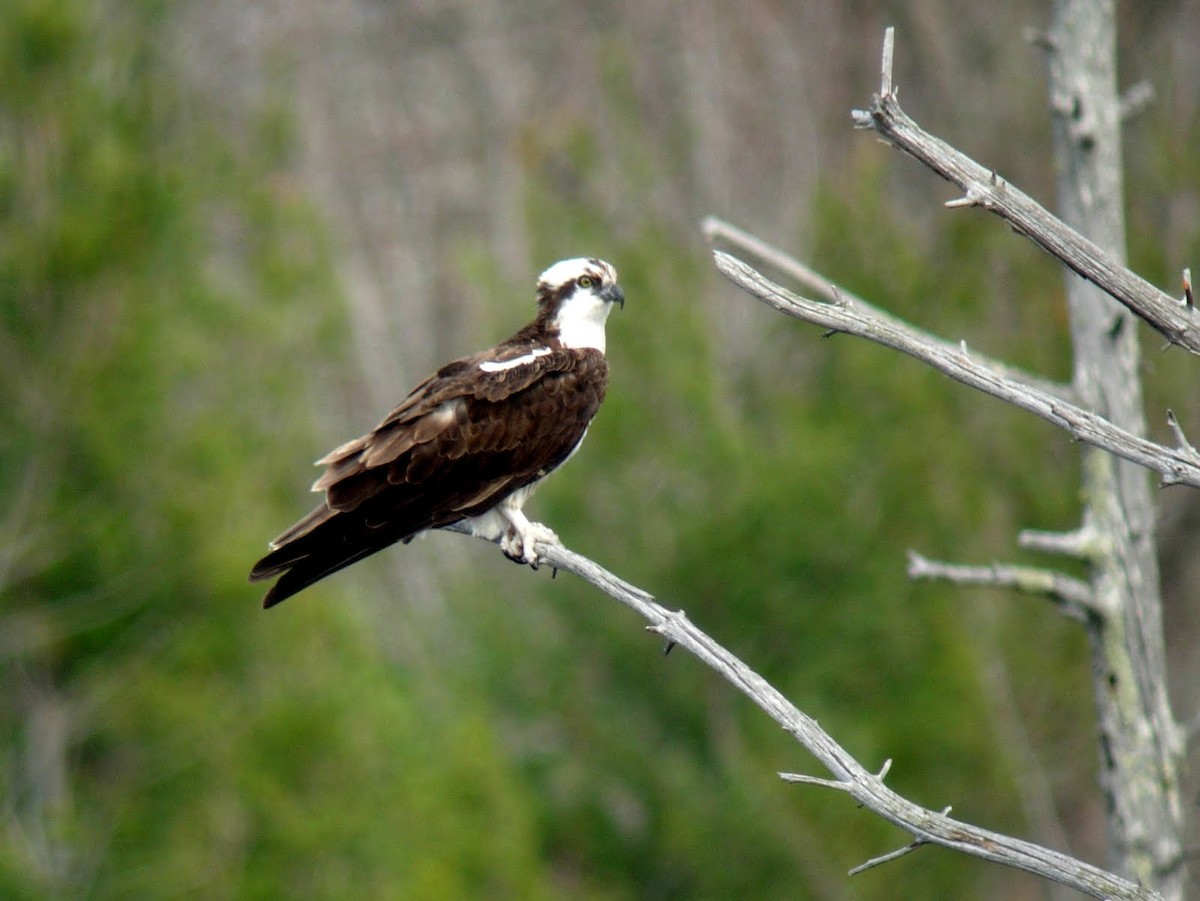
point(302, 572)
point(328, 542)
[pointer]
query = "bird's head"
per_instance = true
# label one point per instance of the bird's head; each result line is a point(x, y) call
point(576, 296)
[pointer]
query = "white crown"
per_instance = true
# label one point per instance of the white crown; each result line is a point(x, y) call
point(565, 271)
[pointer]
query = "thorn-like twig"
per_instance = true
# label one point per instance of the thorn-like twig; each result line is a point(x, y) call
point(833, 783)
point(1188, 300)
point(1136, 99)
point(886, 88)
point(815, 780)
point(1184, 448)
point(965, 201)
point(1184, 445)
point(893, 855)
point(886, 858)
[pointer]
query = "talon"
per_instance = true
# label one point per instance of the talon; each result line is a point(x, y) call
point(513, 547)
point(520, 545)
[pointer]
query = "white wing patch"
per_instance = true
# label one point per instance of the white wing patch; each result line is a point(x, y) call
point(492, 366)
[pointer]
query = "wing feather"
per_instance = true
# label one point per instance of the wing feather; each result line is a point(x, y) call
point(389, 444)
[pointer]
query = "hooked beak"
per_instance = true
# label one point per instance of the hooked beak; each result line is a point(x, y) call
point(613, 294)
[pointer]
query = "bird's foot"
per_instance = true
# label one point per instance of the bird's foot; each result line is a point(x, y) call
point(520, 546)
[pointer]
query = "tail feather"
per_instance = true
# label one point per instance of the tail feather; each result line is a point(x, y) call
point(309, 569)
point(290, 547)
point(321, 544)
point(312, 521)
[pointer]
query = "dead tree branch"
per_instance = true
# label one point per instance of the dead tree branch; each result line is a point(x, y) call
point(984, 188)
point(718, 230)
point(1175, 465)
point(867, 788)
point(1074, 597)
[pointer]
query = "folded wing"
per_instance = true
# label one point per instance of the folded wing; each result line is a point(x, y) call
point(461, 442)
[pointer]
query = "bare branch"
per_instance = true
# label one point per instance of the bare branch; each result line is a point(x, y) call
point(1184, 447)
point(889, 857)
point(833, 783)
point(1184, 444)
point(1136, 99)
point(889, 50)
point(987, 189)
point(1081, 543)
point(808, 279)
point(867, 788)
point(1074, 597)
point(1174, 465)
point(967, 200)
point(814, 780)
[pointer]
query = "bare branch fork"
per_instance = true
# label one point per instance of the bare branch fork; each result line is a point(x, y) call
point(984, 188)
point(1176, 465)
point(848, 775)
point(839, 310)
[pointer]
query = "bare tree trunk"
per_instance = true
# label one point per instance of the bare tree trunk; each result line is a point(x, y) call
point(1140, 741)
point(1141, 744)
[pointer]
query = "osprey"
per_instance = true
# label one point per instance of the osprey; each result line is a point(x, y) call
point(467, 445)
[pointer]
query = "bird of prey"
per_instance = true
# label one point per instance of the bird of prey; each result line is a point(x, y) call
point(468, 444)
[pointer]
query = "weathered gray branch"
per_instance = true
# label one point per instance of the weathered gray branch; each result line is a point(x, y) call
point(1136, 99)
point(1083, 543)
point(985, 188)
point(1073, 596)
point(809, 279)
point(1176, 465)
point(867, 788)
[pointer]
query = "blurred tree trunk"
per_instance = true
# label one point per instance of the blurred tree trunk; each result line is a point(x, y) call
point(1140, 741)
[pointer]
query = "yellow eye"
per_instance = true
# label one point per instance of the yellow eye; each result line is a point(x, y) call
point(585, 281)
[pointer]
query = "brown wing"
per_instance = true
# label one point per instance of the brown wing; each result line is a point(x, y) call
point(461, 442)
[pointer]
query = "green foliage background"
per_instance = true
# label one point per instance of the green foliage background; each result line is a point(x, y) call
point(167, 303)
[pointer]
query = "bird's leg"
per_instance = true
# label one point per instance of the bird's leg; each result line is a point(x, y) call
point(522, 535)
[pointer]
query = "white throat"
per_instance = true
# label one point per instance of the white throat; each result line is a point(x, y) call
point(580, 320)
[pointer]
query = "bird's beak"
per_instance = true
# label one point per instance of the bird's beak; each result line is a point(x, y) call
point(613, 294)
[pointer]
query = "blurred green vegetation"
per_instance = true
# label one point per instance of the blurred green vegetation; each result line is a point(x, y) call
point(162, 292)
